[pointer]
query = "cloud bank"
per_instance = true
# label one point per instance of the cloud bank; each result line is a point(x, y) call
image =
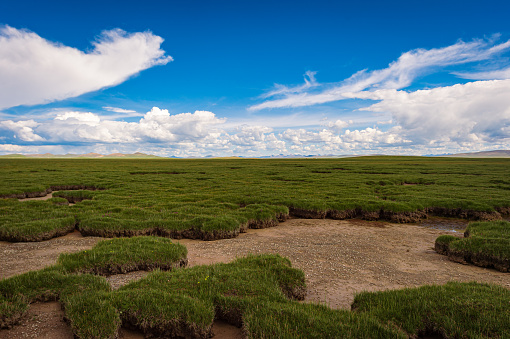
point(37, 71)
point(477, 111)
point(449, 119)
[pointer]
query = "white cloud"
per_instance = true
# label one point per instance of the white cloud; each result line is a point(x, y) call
point(156, 125)
point(23, 149)
point(373, 137)
point(279, 89)
point(337, 125)
point(500, 74)
point(399, 74)
point(461, 113)
point(35, 71)
point(79, 117)
point(160, 125)
point(459, 118)
point(24, 130)
point(301, 136)
point(118, 110)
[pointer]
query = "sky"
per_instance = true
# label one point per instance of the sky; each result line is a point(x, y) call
point(254, 78)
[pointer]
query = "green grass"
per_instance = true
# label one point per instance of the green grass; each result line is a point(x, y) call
point(213, 199)
point(485, 244)
point(218, 198)
point(259, 294)
point(74, 196)
point(83, 294)
point(122, 255)
point(454, 310)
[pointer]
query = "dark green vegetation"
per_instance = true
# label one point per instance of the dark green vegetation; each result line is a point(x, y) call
point(257, 293)
point(218, 198)
point(485, 244)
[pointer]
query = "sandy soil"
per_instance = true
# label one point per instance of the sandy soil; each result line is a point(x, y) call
point(339, 257)
point(46, 197)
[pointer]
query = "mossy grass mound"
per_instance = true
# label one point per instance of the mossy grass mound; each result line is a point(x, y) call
point(454, 310)
point(83, 295)
point(485, 244)
point(122, 255)
point(16, 293)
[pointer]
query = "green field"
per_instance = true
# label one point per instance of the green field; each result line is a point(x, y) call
point(218, 198)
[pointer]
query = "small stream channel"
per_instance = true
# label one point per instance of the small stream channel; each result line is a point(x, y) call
point(445, 224)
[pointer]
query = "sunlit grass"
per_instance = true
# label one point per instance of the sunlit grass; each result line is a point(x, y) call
point(218, 198)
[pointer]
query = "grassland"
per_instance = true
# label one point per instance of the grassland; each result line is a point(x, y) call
point(485, 244)
point(213, 199)
point(218, 198)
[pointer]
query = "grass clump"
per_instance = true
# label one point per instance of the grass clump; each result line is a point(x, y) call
point(485, 244)
point(454, 310)
point(92, 315)
point(258, 293)
point(294, 320)
point(87, 298)
point(16, 293)
point(122, 255)
point(164, 314)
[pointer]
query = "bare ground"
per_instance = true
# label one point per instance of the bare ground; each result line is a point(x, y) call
point(339, 257)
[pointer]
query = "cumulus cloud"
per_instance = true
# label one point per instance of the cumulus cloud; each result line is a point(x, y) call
point(337, 125)
point(399, 74)
point(157, 125)
point(476, 111)
point(442, 120)
point(34, 70)
point(24, 130)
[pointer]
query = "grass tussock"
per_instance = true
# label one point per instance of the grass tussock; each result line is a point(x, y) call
point(485, 244)
point(454, 310)
point(122, 255)
point(85, 296)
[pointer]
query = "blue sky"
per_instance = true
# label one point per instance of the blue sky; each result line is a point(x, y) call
point(254, 78)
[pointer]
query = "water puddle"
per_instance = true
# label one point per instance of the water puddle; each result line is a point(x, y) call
point(445, 224)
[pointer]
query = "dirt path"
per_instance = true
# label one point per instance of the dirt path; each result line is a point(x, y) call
point(339, 258)
point(21, 257)
point(46, 197)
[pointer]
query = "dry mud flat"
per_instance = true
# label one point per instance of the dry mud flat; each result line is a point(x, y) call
point(339, 257)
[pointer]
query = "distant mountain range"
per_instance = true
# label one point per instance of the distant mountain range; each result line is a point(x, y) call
point(486, 154)
point(136, 155)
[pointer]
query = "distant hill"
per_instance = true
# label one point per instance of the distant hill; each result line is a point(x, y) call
point(136, 155)
point(487, 154)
